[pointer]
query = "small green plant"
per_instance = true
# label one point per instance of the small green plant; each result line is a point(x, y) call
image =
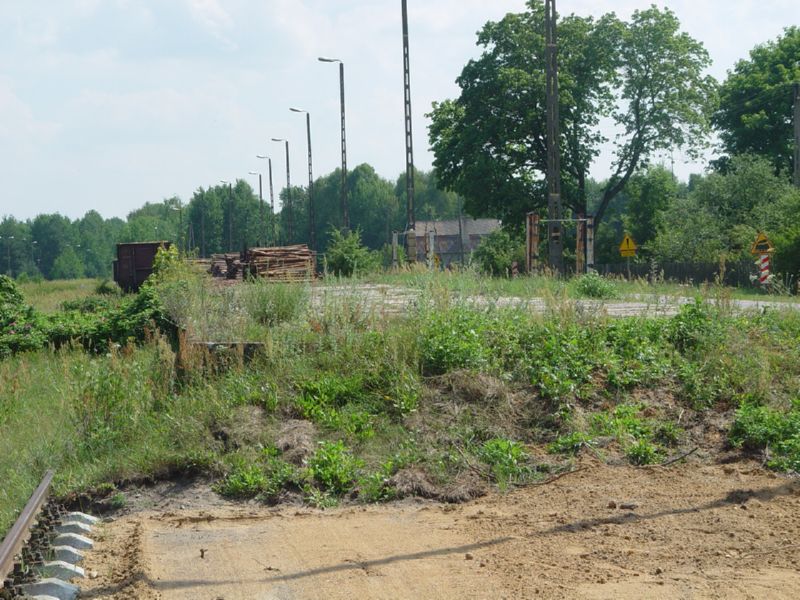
point(692, 327)
point(593, 285)
point(245, 480)
point(571, 443)
point(118, 501)
point(761, 427)
point(507, 459)
point(642, 452)
point(333, 468)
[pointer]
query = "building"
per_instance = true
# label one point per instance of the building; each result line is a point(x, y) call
point(451, 238)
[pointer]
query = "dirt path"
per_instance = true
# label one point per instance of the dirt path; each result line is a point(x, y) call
point(691, 531)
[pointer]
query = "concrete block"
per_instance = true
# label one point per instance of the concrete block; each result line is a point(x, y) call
point(60, 570)
point(79, 542)
point(51, 587)
point(82, 518)
point(74, 527)
point(68, 554)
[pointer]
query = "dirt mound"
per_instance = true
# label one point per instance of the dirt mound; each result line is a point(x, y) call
point(296, 441)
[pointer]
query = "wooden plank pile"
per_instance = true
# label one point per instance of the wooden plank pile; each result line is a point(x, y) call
point(282, 263)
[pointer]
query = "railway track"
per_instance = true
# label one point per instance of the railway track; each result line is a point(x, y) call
point(41, 552)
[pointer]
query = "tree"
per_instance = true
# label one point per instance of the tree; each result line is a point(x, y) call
point(67, 265)
point(645, 75)
point(649, 194)
point(755, 107)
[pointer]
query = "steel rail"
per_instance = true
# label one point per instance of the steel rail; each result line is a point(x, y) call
point(18, 535)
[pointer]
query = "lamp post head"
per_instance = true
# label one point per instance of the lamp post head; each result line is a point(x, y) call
point(325, 59)
point(278, 140)
point(262, 156)
point(298, 110)
point(253, 173)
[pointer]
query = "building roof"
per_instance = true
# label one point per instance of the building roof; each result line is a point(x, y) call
point(470, 227)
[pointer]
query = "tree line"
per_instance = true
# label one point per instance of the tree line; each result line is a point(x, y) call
point(218, 219)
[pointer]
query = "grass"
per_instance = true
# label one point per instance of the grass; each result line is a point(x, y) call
point(448, 390)
point(48, 296)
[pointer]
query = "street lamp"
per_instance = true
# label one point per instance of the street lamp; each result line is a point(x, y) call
point(261, 207)
point(288, 191)
point(271, 198)
point(311, 216)
point(179, 208)
point(230, 213)
point(344, 208)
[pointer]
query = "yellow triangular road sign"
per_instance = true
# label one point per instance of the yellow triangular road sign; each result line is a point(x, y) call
point(762, 245)
point(628, 247)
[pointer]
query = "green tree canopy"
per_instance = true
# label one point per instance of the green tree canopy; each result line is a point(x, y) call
point(755, 107)
point(645, 75)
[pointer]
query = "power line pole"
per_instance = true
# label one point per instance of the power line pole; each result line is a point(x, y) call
point(411, 240)
point(556, 245)
point(797, 134)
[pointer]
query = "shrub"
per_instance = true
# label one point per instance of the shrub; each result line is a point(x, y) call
point(347, 256)
point(596, 286)
point(496, 253)
point(691, 327)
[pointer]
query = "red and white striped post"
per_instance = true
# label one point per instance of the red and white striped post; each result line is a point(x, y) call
point(763, 269)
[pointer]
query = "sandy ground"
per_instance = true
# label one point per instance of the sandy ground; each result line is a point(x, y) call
point(688, 531)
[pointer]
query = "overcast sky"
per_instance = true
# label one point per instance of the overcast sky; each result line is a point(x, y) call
point(107, 104)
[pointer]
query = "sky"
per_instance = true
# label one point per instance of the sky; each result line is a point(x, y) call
point(108, 104)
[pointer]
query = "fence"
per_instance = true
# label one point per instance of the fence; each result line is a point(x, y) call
point(736, 274)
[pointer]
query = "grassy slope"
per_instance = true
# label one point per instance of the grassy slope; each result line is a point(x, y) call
point(449, 391)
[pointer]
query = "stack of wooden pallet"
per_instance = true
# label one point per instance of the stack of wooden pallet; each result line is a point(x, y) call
point(283, 263)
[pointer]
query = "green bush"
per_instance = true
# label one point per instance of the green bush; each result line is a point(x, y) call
point(347, 256)
point(20, 326)
point(596, 286)
point(496, 253)
point(692, 327)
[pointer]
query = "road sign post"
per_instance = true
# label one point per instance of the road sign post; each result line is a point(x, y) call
point(627, 249)
point(763, 249)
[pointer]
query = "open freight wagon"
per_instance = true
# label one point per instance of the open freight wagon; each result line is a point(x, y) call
point(134, 263)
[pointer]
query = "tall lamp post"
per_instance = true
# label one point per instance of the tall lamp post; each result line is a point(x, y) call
point(230, 213)
point(344, 207)
point(271, 198)
point(179, 208)
point(290, 230)
point(312, 227)
point(260, 207)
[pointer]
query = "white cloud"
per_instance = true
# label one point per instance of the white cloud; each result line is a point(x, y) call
point(20, 130)
point(211, 15)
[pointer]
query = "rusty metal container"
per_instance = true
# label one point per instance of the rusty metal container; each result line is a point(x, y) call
point(134, 263)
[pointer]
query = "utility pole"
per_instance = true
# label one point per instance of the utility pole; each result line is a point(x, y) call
point(411, 239)
point(797, 134)
point(555, 241)
point(288, 205)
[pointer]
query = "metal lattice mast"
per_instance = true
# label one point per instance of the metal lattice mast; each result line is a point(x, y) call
point(411, 221)
point(555, 242)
